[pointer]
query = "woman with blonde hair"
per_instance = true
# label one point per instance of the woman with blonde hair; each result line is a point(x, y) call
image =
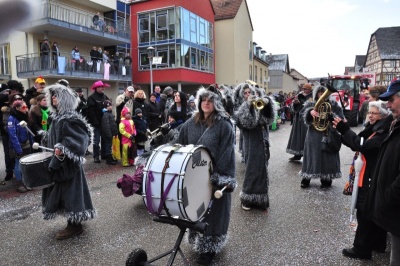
point(139, 101)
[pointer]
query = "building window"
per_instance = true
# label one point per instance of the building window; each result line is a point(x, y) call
point(255, 73)
point(162, 29)
point(392, 63)
point(144, 24)
point(250, 50)
point(250, 72)
point(5, 60)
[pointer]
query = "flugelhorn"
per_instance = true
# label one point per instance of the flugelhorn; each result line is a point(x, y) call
point(258, 104)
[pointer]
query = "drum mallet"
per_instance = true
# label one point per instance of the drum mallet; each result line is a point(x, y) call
point(36, 146)
point(218, 193)
point(25, 125)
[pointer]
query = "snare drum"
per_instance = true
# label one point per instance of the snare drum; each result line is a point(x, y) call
point(34, 168)
point(190, 167)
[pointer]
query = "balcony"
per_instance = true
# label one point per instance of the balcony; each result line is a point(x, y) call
point(33, 65)
point(62, 21)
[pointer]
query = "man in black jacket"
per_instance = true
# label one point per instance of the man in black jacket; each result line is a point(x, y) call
point(384, 199)
point(95, 114)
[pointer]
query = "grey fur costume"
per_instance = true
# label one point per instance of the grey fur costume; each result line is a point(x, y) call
point(219, 139)
point(71, 133)
point(316, 162)
point(298, 132)
point(254, 127)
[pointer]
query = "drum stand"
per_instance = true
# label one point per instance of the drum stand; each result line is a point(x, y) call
point(139, 257)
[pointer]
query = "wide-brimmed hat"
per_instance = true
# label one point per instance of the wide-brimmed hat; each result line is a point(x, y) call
point(98, 84)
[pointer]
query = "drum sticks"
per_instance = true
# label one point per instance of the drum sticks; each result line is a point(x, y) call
point(218, 194)
point(25, 125)
point(36, 146)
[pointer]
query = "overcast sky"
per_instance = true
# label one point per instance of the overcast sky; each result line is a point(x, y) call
point(320, 36)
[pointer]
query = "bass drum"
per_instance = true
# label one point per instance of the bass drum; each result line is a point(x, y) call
point(35, 171)
point(188, 179)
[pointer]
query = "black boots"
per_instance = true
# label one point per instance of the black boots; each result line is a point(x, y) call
point(295, 158)
point(326, 183)
point(110, 160)
point(205, 258)
point(97, 159)
point(352, 253)
point(305, 183)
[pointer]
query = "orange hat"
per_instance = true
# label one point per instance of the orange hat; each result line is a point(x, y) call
point(40, 79)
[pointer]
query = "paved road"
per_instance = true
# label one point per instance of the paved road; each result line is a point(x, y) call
point(302, 227)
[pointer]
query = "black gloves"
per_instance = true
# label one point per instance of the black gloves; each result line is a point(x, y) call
point(342, 127)
point(165, 128)
point(132, 137)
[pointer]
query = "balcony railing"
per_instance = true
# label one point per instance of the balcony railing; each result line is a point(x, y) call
point(47, 65)
point(72, 15)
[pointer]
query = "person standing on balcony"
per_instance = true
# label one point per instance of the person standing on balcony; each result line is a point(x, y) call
point(55, 53)
point(94, 56)
point(127, 63)
point(75, 58)
point(44, 54)
point(99, 60)
point(97, 21)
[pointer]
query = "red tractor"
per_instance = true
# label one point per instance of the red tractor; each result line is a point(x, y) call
point(348, 88)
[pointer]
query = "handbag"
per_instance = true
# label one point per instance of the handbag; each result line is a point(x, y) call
point(116, 148)
point(348, 187)
point(331, 142)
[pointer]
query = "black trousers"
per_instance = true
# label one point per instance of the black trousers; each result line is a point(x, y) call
point(368, 236)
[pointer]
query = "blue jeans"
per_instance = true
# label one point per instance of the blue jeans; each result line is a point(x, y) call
point(97, 139)
point(17, 170)
point(8, 161)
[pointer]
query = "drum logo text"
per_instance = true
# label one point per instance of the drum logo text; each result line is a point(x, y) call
point(199, 163)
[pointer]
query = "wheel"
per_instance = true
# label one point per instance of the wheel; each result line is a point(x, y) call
point(352, 115)
point(136, 258)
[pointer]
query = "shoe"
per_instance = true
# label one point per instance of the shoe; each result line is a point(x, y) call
point(246, 208)
point(111, 162)
point(97, 160)
point(295, 158)
point(242, 160)
point(350, 253)
point(69, 231)
point(9, 176)
point(88, 152)
point(23, 189)
point(205, 258)
point(326, 184)
point(305, 183)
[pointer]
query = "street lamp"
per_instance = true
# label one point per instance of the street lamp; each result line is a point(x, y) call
point(150, 55)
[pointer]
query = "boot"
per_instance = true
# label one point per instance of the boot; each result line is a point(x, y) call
point(305, 183)
point(9, 176)
point(352, 253)
point(70, 231)
point(110, 160)
point(295, 158)
point(326, 183)
point(96, 159)
point(205, 258)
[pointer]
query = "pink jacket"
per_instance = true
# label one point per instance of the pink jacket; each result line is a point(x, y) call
point(127, 129)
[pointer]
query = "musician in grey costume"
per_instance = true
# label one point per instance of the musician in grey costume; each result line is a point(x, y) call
point(254, 125)
point(69, 135)
point(298, 132)
point(211, 127)
point(318, 163)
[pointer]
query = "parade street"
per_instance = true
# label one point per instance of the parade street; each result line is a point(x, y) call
point(302, 226)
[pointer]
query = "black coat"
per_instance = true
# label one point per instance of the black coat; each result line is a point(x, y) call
point(140, 103)
point(384, 198)
point(95, 108)
point(370, 150)
point(154, 112)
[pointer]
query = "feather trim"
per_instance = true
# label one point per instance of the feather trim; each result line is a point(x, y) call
point(221, 181)
point(261, 200)
point(326, 177)
point(205, 243)
point(73, 217)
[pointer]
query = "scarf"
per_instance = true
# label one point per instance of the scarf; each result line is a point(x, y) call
point(45, 116)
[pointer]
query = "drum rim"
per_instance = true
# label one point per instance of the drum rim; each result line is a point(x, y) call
point(50, 154)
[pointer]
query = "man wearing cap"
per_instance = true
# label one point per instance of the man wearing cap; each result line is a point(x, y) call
point(95, 114)
point(383, 203)
point(122, 99)
point(299, 129)
point(35, 90)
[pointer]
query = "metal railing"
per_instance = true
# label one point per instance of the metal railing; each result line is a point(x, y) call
point(65, 65)
point(65, 13)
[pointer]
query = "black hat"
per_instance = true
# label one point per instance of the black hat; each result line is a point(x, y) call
point(107, 103)
point(175, 115)
point(78, 90)
point(138, 110)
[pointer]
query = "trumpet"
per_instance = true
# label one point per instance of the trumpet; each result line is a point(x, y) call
point(156, 132)
point(258, 104)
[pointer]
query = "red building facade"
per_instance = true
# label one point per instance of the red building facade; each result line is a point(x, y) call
point(181, 33)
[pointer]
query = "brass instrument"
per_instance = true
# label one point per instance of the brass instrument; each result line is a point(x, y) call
point(156, 132)
point(324, 109)
point(258, 104)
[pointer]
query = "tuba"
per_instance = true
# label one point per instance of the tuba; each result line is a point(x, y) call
point(324, 109)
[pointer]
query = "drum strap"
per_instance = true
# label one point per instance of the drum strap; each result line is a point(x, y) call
point(166, 166)
point(163, 196)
